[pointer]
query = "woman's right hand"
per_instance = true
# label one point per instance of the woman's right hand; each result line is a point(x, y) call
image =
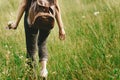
point(11, 25)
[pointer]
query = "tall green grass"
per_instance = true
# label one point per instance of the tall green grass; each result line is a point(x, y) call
point(91, 50)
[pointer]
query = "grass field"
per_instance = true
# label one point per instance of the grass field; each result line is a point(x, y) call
point(91, 50)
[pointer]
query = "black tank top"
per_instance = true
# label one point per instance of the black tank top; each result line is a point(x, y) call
point(28, 5)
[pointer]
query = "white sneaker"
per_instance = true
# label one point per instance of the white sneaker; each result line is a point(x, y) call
point(44, 73)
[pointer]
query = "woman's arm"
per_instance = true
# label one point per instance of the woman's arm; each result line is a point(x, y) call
point(21, 9)
point(59, 21)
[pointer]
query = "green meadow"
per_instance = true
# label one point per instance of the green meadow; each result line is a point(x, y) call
point(91, 50)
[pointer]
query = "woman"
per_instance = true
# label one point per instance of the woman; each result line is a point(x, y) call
point(35, 35)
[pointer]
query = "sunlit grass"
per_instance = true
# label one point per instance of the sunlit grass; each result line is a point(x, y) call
point(91, 50)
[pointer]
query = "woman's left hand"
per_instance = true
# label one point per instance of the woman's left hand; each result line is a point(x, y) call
point(62, 34)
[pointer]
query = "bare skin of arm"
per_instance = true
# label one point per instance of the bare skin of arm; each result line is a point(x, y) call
point(21, 9)
point(59, 22)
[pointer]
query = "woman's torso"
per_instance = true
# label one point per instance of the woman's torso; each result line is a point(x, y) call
point(29, 3)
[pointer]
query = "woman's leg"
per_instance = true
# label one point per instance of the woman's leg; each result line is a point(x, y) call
point(43, 53)
point(42, 49)
point(31, 39)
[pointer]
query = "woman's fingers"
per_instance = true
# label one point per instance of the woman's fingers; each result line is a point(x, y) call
point(11, 25)
point(62, 34)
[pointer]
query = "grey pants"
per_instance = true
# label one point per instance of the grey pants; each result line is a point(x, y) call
point(35, 38)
